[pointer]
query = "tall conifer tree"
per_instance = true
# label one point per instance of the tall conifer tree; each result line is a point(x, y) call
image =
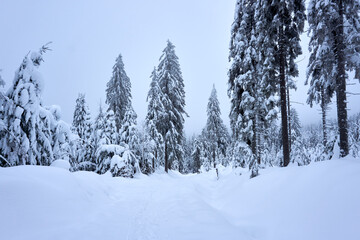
point(82, 127)
point(215, 130)
point(154, 118)
point(81, 118)
point(334, 45)
point(172, 124)
point(118, 92)
point(280, 23)
point(28, 136)
point(250, 86)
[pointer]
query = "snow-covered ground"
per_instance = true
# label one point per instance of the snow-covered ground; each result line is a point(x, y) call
point(319, 201)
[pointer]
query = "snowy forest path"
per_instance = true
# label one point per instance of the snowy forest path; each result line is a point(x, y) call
point(214, 193)
point(144, 225)
point(127, 214)
point(84, 205)
point(177, 204)
point(165, 207)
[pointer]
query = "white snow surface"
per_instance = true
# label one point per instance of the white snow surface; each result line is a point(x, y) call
point(319, 201)
point(61, 163)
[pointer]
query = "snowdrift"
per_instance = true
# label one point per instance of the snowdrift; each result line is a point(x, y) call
point(319, 201)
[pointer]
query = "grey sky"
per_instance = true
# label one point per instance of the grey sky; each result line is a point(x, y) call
point(88, 35)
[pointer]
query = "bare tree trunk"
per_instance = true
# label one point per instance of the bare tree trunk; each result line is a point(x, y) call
point(253, 140)
point(323, 115)
point(214, 157)
point(341, 82)
point(289, 118)
point(284, 115)
point(255, 160)
point(258, 141)
point(166, 158)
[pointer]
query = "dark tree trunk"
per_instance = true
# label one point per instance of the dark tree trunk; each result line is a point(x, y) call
point(166, 158)
point(341, 82)
point(288, 109)
point(254, 144)
point(323, 115)
point(284, 115)
point(214, 157)
point(259, 142)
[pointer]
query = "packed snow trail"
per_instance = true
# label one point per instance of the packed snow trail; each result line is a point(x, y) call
point(319, 201)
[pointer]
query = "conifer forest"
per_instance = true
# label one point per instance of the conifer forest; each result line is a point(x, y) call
point(254, 170)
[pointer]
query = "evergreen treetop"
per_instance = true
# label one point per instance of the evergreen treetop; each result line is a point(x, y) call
point(118, 92)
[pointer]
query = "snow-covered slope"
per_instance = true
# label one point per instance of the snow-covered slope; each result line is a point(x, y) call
point(320, 201)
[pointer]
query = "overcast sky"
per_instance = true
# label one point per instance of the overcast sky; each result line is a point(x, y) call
point(88, 35)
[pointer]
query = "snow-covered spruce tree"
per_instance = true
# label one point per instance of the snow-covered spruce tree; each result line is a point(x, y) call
point(252, 98)
point(117, 159)
point(320, 73)
point(146, 150)
point(272, 146)
point(154, 119)
point(298, 152)
point(3, 129)
point(118, 92)
point(129, 132)
point(354, 135)
point(334, 45)
point(311, 145)
point(27, 139)
point(99, 124)
point(172, 122)
point(63, 140)
point(98, 136)
point(3, 100)
point(239, 43)
point(233, 157)
point(215, 130)
point(129, 135)
point(188, 163)
point(279, 24)
point(81, 118)
point(267, 64)
point(197, 154)
point(295, 125)
point(206, 152)
point(110, 128)
point(125, 166)
point(157, 144)
point(82, 127)
point(122, 160)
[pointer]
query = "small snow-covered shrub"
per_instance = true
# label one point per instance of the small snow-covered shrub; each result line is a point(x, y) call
point(118, 159)
point(104, 155)
point(206, 164)
point(124, 166)
point(299, 154)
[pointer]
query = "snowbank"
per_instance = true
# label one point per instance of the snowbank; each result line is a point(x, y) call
point(319, 201)
point(61, 163)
